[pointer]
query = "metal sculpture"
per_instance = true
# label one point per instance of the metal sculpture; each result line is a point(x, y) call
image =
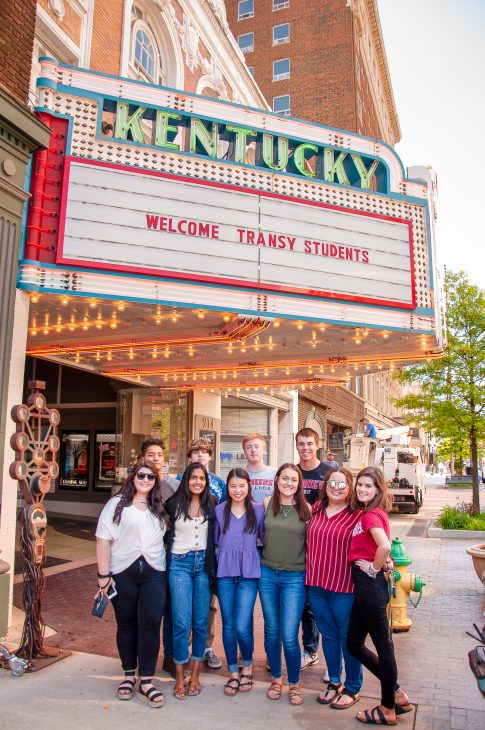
point(35, 443)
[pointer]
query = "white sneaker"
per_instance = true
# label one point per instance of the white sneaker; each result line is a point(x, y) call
point(307, 659)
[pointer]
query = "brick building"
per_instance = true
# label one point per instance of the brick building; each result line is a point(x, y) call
point(326, 61)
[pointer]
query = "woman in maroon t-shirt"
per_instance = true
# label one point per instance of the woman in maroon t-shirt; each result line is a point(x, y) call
point(369, 550)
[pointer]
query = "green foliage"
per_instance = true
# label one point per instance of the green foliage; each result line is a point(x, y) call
point(451, 401)
point(452, 518)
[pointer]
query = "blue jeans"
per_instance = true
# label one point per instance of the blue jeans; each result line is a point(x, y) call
point(282, 594)
point(190, 594)
point(237, 597)
point(332, 613)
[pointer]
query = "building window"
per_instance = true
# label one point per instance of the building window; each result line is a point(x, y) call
point(280, 4)
point(246, 42)
point(281, 105)
point(281, 34)
point(281, 69)
point(145, 54)
point(245, 9)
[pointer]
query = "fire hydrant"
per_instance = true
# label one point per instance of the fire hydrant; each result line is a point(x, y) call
point(405, 583)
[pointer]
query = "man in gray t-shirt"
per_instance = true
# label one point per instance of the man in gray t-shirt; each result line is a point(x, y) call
point(261, 475)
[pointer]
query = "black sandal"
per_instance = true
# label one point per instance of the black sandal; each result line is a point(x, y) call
point(375, 717)
point(126, 688)
point(335, 704)
point(337, 688)
point(151, 696)
point(231, 687)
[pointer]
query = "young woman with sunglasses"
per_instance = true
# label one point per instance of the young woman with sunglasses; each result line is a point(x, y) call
point(369, 551)
point(282, 583)
point(131, 559)
point(192, 573)
point(239, 526)
point(330, 588)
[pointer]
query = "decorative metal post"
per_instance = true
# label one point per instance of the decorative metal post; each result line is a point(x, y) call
point(35, 443)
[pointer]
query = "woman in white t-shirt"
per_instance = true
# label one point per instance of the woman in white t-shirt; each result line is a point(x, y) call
point(131, 558)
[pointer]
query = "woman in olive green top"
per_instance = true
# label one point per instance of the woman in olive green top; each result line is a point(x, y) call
point(282, 583)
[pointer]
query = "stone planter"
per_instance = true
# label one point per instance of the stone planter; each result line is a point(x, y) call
point(477, 553)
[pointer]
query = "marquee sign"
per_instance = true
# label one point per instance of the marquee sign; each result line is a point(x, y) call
point(222, 204)
point(150, 223)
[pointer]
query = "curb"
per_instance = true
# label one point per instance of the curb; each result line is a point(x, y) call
point(434, 531)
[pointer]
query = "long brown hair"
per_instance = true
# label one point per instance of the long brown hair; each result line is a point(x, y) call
point(383, 498)
point(154, 496)
point(300, 501)
point(350, 483)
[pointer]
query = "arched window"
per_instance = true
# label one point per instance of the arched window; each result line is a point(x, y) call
point(145, 55)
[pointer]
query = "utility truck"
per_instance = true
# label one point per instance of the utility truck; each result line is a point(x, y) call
point(401, 463)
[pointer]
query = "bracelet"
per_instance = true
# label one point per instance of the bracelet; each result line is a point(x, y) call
point(109, 575)
point(371, 571)
point(101, 588)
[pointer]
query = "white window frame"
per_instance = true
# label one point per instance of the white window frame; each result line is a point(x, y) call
point(282, 76)
point(244, 16)
point(141, 72)
point(284, 112)
point(280, 41)
point(248, 49)
point(281, 5)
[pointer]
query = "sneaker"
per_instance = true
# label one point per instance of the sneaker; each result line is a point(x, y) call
point(307, 659)
point(211, 659)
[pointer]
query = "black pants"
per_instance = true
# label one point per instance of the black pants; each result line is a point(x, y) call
point(310, 634)
point(138, 609)
point(369, 617)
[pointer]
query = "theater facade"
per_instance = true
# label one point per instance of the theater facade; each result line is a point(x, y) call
point(190, 261)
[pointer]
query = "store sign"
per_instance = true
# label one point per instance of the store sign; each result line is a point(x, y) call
point(147, 222)
point(147, 125)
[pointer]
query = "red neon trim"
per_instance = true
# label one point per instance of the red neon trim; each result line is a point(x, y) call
point(226, 281)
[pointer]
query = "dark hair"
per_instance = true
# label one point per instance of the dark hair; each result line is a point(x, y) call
point(152, 441)
point(198, 445)
point(300, 501)
point(383, 498)
point(350, 483)
point(251, 522)
point(154, 496)
point(183, 496)
point(308, 433)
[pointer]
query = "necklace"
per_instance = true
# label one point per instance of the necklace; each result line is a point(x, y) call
point(286, 512)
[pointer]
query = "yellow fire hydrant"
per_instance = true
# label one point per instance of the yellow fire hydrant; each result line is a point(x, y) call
point(404, 583)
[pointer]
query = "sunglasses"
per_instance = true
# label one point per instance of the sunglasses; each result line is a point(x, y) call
point(337, 485)
point(143, 475)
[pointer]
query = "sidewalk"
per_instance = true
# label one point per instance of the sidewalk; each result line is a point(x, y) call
point(432, 657)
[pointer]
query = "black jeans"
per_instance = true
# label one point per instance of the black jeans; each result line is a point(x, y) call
point(369, 617)
point(138, 609)
point(310, 633)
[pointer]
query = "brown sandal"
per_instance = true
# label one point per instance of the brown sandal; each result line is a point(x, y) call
point(194, 687)
point(296, 697)
point(231, 687)
point(246, 683)
point(180, 691)
point(274, 690)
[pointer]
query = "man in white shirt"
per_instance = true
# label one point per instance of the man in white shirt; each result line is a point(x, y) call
point(261, 475)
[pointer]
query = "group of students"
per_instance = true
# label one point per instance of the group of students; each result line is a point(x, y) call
point(302, 536)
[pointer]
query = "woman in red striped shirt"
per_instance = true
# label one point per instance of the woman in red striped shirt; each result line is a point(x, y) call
point(330, 587)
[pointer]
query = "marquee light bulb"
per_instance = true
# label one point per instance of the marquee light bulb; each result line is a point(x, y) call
point(93, 303)
point(276, 323)
point(64, 301)
point(299, 326)
point(34, 298)
point(226, 317)
point(121, 306)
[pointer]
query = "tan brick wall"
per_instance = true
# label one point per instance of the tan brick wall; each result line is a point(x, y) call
point(333, 404)
point(106, 40)
point(17, 24)
point(71, 23)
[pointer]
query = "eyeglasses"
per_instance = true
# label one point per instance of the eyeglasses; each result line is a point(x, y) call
point(143, 475)
point(337, 485)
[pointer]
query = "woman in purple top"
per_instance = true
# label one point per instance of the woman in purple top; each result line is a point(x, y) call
point(239, 525)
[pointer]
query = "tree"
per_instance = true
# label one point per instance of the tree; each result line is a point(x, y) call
point(451, 401)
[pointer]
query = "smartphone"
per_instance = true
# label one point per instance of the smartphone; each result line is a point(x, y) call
point(111, 592)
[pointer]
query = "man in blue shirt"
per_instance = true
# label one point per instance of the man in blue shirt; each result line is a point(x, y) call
point(200, 451)
point(369, 428)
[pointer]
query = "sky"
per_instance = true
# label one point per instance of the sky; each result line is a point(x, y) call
point(436, 55)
